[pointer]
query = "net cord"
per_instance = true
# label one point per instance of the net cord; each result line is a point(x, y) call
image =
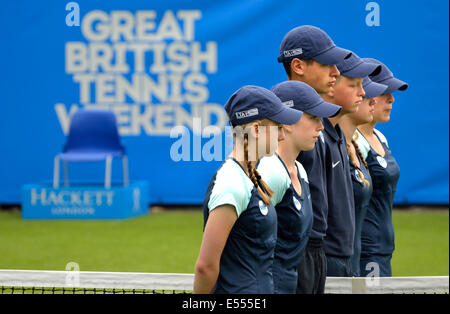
point(174, 281)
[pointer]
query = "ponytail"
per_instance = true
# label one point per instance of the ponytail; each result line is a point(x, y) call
point(358, 151)
point(263, 189)
point(354, 163)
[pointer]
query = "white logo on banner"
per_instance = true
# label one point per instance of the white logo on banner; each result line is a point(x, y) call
point(147, 67)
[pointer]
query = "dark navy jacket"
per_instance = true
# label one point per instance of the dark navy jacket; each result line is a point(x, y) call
point(313, 162)
point(339, 239)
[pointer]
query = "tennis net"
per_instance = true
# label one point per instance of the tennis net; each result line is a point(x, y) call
point(86, 282)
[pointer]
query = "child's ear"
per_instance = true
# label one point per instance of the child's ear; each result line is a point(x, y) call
point(255, 129)
point(298, 66)
point(287, 128)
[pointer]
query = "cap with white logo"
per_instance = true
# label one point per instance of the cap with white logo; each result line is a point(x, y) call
point(310, 42)
point(251, 103)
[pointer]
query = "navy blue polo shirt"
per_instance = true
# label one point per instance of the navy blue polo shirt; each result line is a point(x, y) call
point(295, 219)
point(377, 236)
point(339, 239)
point(313, 161)
point(362, 194)
point(247, 258)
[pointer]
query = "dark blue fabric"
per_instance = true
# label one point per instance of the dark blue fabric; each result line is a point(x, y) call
point(302, 97)
point(376, 265)
point(312, 271)
point(373, 89)
point(294, 228)
point(251, 103)
point(247, 259)
point(356, 67)
point(340, 234)
point(386, 77)
point(362, 196)
point(377, 236)
point(313, 162)
point(339, 266)
point(310, 42)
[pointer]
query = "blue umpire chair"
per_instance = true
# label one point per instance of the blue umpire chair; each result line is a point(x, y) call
point(93, 136)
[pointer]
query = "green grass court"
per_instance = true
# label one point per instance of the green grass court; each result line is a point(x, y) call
point(169, 242)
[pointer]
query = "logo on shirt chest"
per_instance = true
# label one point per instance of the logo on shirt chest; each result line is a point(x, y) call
point(297, 203)
point(263, 208)
point(334, 164)
point(382, 161)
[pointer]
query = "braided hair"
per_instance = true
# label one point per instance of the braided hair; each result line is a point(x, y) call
point(358, 150)
point(263, 189)
point(353, 159)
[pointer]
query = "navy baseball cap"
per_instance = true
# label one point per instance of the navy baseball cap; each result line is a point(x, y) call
point(373, 89)
point(387, 78)
point(251, 103)
point(301, 96)
point(355, 67)
point(310, 42)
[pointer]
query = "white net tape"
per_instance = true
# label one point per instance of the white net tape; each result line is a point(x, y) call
point(166, 281)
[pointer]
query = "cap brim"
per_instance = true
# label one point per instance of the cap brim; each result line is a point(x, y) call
point(393, 85)
point(333, 56)
point(287, 116)
point(324, 110)
point(374, 89)
point(362, 70)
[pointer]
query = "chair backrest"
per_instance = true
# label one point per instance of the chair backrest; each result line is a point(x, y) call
point(93, 130)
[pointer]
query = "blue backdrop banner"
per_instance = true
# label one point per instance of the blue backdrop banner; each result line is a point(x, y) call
point(167, 67)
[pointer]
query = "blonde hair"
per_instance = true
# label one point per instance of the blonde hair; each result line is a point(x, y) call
point(263, 189)
point(353, 159)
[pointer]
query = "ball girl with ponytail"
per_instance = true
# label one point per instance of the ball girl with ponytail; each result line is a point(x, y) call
point(289, 182)
point(240, 223)
point(377, 235)
point(361, 180)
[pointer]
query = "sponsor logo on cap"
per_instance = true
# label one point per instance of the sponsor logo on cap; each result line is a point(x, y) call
point(247, 113)
point(289, 103)
point(292, 52)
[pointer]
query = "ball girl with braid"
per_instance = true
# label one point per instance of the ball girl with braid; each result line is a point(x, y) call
point(240, 223)
point(377, 235)
point(288, 180)
point(361, 180)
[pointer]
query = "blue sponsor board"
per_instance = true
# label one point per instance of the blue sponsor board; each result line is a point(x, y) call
point(166, 68)
point(93, 201)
